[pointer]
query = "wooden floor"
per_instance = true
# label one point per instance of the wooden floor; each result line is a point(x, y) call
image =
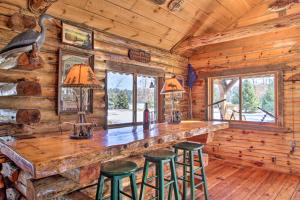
point(227, 181)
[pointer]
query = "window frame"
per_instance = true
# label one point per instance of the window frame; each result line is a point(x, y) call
point(278, 89)
point(134, 97)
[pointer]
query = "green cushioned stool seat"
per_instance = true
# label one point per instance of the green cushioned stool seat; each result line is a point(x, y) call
point(189, 146)
point(159, 158)
point(119, 168)
point(190, 170)
point(160, 155)
point(116, 171)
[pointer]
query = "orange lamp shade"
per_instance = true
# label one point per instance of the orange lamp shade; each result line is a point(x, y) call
point(81, 75)
point(172, 85)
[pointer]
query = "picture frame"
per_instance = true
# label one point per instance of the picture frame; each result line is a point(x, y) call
point(77, 36)
point(68, 97)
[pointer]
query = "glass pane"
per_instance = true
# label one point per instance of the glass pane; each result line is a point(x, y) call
point(146, 93)
point(120, 98)
point(258, 99)
point(226, 99)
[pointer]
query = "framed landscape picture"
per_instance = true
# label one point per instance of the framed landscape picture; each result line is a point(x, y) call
point(68, 98)
point(77, 36)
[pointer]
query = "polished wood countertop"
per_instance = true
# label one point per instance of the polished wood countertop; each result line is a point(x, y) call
point(46, 156)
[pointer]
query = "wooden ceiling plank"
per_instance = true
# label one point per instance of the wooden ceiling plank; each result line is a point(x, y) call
point(80, 16)
point(213, 8)
point(263, 15)
point(160, 15)
point(116, 13)
point(238, 8)
point(239, 33)
point(77, 3)
point(128, 4)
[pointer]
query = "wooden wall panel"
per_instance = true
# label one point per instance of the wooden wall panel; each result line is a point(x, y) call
point(107, 48)
point(252, 147)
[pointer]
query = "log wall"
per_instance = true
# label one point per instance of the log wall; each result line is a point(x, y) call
point(252, 147)
point(107, 48)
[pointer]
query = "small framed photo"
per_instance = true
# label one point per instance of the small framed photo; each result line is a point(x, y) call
point(68, 98)
point(77, 36)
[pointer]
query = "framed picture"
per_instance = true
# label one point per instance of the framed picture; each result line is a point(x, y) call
point(68, 98)
point(77, 36)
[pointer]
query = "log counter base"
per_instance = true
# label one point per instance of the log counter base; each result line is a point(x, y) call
point(60, 158)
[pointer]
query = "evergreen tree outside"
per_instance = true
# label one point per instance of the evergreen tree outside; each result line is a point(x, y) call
point(121, 100)
point(235, 97)
point(268, 99)
point(250, 102)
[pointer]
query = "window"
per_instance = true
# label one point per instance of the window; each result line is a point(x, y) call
point(127, 94)
point(146, 93)
point(120, 98)
point(250, 98)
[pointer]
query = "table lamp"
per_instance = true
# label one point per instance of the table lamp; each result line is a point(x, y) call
point(172, 86)
point(81, 76)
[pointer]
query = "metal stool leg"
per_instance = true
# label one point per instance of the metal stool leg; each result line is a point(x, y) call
point(100, 188)
point(184, 186)
point(145, 175)
point(203, 174)
point(174, 178)
point(192, 177)
point(120, 196)
point(114, 188)
point(170, 196)
point(133, 187)
point(161, 181)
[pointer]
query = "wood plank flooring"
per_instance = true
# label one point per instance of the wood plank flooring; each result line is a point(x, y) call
point(227, 181)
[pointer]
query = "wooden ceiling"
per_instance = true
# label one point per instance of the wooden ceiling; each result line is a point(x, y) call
point(257, 21)
point(152, 24)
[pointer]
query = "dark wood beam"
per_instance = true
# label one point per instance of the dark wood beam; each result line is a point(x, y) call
point(239, 33)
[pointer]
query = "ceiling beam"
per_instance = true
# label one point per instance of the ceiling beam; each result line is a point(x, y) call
point(238, 33)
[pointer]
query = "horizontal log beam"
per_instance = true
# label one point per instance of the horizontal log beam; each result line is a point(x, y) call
point(22, 88)
point(239, 33)
point(21, 116)
point(245, 70)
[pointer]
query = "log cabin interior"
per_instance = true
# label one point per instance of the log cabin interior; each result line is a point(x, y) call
point(149, 99)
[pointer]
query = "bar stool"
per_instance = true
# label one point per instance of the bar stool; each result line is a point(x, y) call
point(116, 171)
point(188, 162)
point(160, 158)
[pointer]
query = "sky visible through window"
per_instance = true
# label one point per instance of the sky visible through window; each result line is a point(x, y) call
point(121, 81)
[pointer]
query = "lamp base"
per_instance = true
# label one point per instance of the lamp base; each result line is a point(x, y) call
point(82, 130)
point(175, 118)
point(81, 136)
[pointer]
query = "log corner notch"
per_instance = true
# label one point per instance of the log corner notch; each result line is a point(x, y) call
point(21, 88)
point(273, 25)
point(39, 6)
point(20, 116)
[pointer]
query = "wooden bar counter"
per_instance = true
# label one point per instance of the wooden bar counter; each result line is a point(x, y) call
point(45, 157)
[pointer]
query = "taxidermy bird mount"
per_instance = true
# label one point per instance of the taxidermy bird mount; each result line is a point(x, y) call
point(22, 50)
